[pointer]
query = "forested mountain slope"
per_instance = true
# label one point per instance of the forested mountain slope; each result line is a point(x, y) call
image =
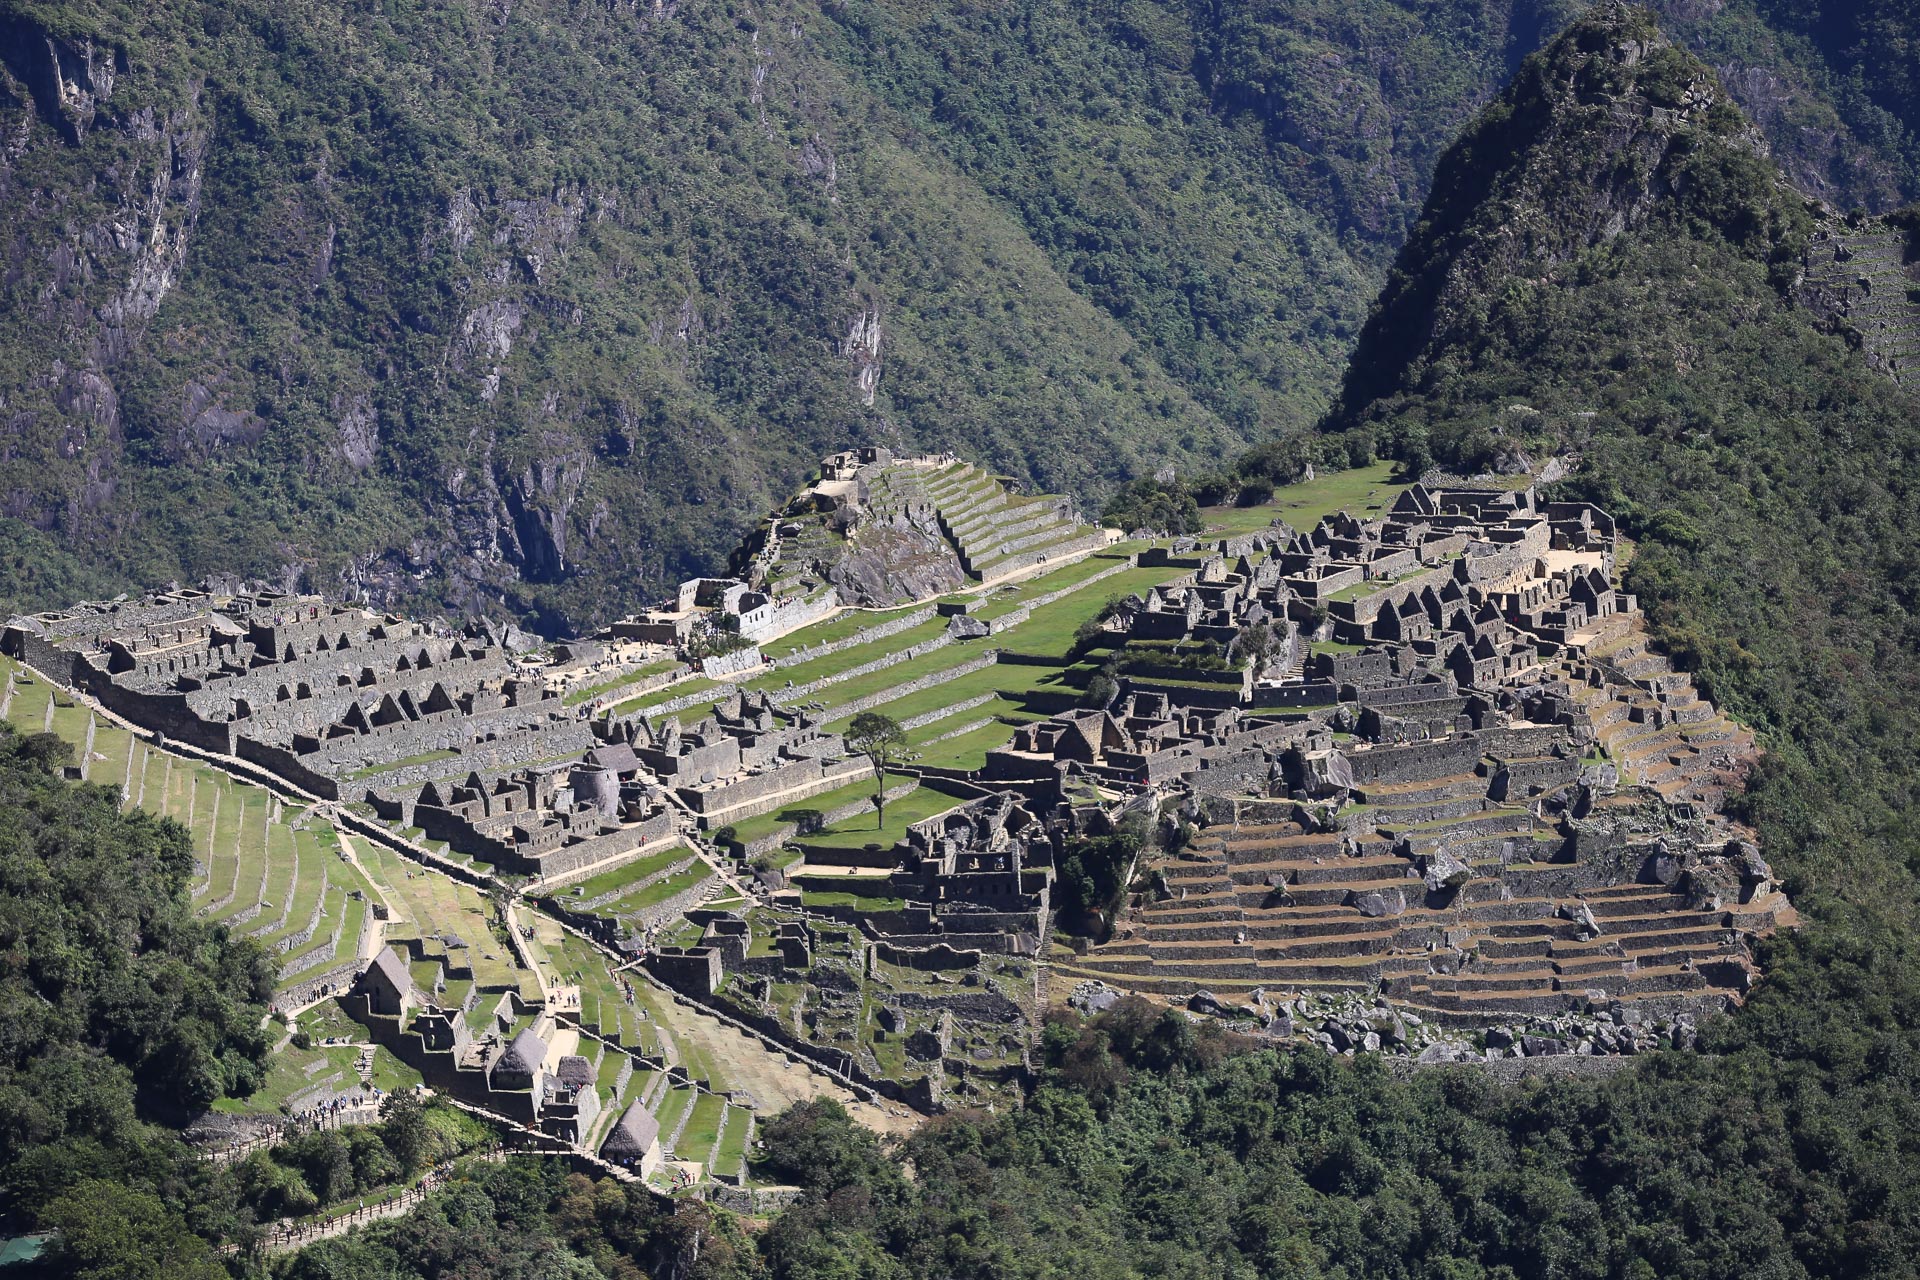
point(533, 306)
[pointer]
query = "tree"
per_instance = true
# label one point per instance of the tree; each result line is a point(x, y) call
point(111, 1232)
point(881, 740)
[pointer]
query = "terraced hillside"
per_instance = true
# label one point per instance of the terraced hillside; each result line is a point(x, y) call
point(1866, 277)
point(887, 531)
point(268, 870)
point(1501, 815)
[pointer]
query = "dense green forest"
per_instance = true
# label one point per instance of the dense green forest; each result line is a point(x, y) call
point(123, 1015)
point(533, 308)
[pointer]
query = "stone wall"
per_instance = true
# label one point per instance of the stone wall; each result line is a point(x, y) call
point(673, 868)
point(872, 700)
point(727, 664)
point(1417, 761)
point(881, 663)
point(865, 635)
point(748, 797)
point(792, 615)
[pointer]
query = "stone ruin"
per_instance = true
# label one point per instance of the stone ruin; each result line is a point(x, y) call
point(433, 727)
point(1448, 770)
point(884, 530)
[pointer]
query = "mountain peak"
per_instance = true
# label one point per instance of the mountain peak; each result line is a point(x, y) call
point(1609, 129)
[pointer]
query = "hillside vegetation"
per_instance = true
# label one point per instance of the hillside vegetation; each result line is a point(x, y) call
point(124, 1015)
point(534, 307)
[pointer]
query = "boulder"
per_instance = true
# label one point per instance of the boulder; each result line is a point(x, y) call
point(1443, 1051)
point(1542, 1046)
point(1380, 902)
point(1207, 1002)
point(1662, 867)
point(1444, 872)
point(1326, 772)
point(964, 626)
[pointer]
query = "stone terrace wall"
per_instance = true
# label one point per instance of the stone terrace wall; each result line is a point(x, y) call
point(866, 635)
point(880, 697)
point(880, 663)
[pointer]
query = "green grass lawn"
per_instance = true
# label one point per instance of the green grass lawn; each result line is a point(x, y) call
point(968, 750)
point(764, 824)
point(621, 876)
point(1051, 629)
point(673, 1105)
point(858, 832)
point(703, 1127)
point(1364, 491)
point(1008, 679)
point(657, 892)
point(732, 1155)
point(1003, 600)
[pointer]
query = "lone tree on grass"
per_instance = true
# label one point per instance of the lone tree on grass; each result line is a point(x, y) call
point(881, 740)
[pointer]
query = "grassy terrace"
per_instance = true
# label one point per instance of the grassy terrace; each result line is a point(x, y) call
point(1010, 680)
point(731, 1158)
point(699, 684)
point(587, 692)
point(252, 862)
point(434, 905)
point(838, 627)
point(753, 828)
point(1005, 599)
point(1364, 491)
point(657, 892)
point(1049, 633)
point(846, 898)
point(703, 1127)
point(967, 750)
point(857, 833)
point(630, 873)
point(846, 659)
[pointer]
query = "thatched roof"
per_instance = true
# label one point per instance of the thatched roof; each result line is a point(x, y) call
point(391, 967)
point(524, 1055)
point(633, 1136)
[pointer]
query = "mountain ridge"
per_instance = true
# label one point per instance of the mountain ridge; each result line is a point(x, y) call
point(532, 309)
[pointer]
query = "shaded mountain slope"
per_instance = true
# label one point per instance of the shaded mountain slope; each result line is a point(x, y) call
point(535, 307)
